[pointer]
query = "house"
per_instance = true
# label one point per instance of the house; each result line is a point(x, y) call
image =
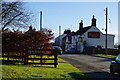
point(61, 40)
point(89, 36)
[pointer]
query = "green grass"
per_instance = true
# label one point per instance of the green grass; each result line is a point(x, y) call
point(103, 55)
point(64, 71)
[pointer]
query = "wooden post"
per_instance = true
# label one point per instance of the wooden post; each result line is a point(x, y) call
point(22, 56)
point(27, 57)
point(8, 56)
point(59, 35)
point(41, 59)
point(3, 56)
point(106, 33)
point(55, 60)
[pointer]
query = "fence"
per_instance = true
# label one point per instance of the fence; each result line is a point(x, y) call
point(32, 55)
point(93, 50)
point(13, 57)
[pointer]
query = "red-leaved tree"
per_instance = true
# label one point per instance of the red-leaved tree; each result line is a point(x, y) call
point(18, 41)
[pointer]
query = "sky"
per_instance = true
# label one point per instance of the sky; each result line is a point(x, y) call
point(69, 14)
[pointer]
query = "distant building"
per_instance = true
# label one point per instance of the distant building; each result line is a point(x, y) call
point(89, 36)
point(61, 41)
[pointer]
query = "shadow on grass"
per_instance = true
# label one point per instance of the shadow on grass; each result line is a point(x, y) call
point(43, 66)
point(62, 62)
point(103, 75)
point(20, 64)
point(11, 63)
point(79, 76)
point(94, 76)
point(37, 79)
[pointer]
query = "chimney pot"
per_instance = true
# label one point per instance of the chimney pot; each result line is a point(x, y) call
point(30, 28)
point(93, 21)
point(81, 25)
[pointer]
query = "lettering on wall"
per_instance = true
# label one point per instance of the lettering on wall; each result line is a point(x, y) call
point(93, 35)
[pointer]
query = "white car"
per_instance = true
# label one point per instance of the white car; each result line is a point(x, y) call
point(59, 49)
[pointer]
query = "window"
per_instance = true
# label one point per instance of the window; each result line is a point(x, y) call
point(80, 39)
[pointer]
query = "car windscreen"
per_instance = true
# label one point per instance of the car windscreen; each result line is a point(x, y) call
point(118, 58)
point(56, 47)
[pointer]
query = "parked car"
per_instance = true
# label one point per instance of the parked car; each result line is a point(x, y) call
point(59, 49)
point(115, 65)
point(72, 50)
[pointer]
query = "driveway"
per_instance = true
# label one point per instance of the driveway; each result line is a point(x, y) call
point(95, 67)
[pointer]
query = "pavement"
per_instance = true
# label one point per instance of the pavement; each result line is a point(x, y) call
point(95, 67)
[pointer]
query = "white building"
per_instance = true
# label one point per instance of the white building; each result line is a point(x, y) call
point(89, 36)
point(59, 39)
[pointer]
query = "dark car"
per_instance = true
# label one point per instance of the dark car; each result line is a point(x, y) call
point(115, 65)
point(59, 49)
point(72, 50)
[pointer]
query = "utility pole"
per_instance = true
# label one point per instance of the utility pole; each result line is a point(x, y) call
point(59, 35)
point(40, 20)
point(106, 52)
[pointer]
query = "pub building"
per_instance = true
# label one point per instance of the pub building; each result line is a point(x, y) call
point(89, 36)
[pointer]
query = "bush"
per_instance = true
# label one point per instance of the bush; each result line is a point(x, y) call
point(13, 41)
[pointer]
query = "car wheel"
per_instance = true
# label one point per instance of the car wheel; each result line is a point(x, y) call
point(111, 70)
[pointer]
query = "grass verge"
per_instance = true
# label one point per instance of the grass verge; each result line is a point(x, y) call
point(107, 56)
point(64, 71)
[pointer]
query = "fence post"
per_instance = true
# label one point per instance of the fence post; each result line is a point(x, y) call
point(55, 60)
point(22, 56)
point(25, 59)
point(3, 55)
point(26, 55)
point(41, 59)
point(8, 56)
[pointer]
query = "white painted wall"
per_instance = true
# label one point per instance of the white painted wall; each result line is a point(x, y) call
point(90, 41)
point(98, 41)
point(60, 38)
point(110, 39)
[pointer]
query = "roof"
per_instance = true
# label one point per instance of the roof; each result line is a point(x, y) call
point(110, 34)
point(80, 32)
point(62, 36)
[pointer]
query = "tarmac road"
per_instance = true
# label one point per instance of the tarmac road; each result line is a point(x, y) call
point(96, 67)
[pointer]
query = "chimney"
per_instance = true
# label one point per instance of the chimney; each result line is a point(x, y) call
point(30, 28)
point(81, 25)
point(93, 21)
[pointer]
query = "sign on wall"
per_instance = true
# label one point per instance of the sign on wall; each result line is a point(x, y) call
point(93, 35)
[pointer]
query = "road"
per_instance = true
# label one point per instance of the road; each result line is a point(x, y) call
point(96, 67)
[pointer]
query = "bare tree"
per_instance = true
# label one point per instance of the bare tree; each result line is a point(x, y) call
point(14, 15)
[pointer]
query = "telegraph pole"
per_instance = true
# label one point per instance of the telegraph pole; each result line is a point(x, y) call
point(40, 20)
point(106, 52)
point(59, 35)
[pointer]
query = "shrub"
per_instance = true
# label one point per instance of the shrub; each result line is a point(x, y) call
point(13, 41)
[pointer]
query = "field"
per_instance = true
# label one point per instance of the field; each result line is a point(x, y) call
point(63, 71)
